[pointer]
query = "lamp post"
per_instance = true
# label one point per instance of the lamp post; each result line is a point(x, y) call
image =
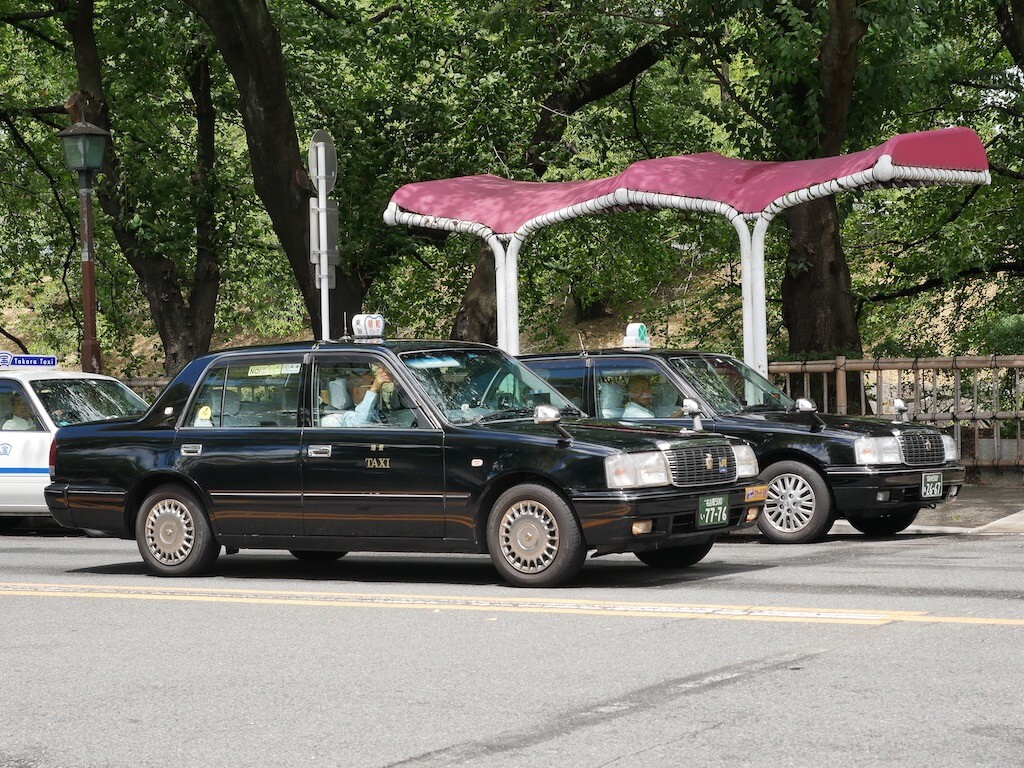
point(84, 146)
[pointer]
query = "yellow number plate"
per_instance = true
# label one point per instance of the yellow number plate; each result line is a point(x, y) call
point(755, 493)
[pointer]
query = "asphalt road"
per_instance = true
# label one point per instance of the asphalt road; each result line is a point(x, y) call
point(903, 652)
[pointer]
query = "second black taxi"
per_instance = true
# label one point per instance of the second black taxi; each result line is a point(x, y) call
point(322, 448)
point(878, 474)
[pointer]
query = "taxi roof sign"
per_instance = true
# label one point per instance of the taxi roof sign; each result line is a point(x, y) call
point(7, 360)
point(367, 327)
point(636, 337)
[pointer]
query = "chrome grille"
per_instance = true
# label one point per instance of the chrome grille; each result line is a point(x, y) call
point(702, 465)
point(921, 448)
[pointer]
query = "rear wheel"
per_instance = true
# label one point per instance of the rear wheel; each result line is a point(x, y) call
point(533, 537)
point(885, 525)
point(799, 506)
point(173, 534)
point(676, 557)
point(316, 556)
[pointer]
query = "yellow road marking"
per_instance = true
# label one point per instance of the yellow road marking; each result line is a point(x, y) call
point(548, 605)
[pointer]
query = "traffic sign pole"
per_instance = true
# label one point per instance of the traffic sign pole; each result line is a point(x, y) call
point(325, 303)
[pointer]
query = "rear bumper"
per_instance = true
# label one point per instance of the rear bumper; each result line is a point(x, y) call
point(857, 489)
point(607, 518)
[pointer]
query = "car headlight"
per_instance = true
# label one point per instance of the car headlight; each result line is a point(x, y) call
point(877, 450)
point(637, 470)
point(746, 461)
point(952, 450)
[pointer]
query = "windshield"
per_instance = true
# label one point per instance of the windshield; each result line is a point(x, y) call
point(72, 401)
point(471, 385)
point(731, 387)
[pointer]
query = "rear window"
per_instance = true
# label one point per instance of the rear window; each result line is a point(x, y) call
point(72, 401)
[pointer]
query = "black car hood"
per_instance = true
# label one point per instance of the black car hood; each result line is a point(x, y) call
point(827, 422)
point(623, 435)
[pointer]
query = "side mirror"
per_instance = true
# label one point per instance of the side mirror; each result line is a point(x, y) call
point(551, 416)
point(805, 405)
point(690, 408)
point(900, 406)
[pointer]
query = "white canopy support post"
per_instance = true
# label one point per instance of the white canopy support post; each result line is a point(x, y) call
point(500, 290)
point(512, 294)
point(758, 301)
point(745, 277)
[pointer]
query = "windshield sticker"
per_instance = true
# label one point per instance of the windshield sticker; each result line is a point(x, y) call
point(5, 449)
point(280, 369)
point(434, 362)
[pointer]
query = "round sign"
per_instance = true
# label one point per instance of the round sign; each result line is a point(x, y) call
point(329, 173)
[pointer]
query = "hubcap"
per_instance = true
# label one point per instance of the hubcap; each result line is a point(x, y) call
point(790, 503)
point(528, 536)
point(170, 531)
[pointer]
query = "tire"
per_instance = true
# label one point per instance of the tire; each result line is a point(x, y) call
point(533, 537)
point(799, 506)
point(675, 557)
point(316, 556)
point(173, 534)
point(886, 525)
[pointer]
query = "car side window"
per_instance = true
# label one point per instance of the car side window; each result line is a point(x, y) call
point(635, 390)
point(16, 411)
point(358, 392)
point(250, 394)
point(565, 376)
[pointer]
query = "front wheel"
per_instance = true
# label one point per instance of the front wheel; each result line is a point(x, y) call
point(533, 537)
point(798, 509)
point(885, 525)
point(173, 534)
point(675, 557)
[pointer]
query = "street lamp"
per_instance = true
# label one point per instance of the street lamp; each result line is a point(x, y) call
point(84, 146)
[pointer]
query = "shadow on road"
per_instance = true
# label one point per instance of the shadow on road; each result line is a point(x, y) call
point(451, 570)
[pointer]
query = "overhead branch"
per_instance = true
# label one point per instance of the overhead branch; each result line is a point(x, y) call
point(931, 283)
point(559, 106)
point(7, 334)
point(330, 13)
point(905, 246)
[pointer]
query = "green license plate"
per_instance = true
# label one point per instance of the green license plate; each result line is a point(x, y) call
point(712, 511)
point(931, 485)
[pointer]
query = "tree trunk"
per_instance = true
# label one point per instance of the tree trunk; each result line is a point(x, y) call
point(184, 328)
point(477, 318)
point(817, 306)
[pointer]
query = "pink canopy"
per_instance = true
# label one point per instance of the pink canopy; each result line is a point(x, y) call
point(748, 187)
point(505, 212)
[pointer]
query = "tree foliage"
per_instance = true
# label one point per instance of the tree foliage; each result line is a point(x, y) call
point(203, 233)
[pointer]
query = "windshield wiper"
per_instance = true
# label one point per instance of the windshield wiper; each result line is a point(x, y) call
point(505, 413)
point(760, 408)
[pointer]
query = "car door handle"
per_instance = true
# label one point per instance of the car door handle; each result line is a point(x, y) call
point(191, 449)
point(319, 451)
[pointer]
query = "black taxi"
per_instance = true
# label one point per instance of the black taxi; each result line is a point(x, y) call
point(322, 448)
point(877, 474)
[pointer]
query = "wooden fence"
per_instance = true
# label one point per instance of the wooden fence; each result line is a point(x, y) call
point(981, 399)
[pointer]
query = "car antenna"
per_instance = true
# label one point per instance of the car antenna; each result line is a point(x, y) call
point(344, 328)
point(583, 345)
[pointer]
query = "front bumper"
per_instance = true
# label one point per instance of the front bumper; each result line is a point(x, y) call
point(870, 490)
point(607, 518)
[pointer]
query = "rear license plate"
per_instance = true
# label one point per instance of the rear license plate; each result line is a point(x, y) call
point(712, 511)
point(931, 485)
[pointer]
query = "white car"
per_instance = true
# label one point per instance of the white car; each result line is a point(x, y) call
point(36, 400)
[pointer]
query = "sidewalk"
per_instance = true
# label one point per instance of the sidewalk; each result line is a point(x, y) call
point(980, 508)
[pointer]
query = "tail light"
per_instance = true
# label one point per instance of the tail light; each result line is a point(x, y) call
point(53, 460)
